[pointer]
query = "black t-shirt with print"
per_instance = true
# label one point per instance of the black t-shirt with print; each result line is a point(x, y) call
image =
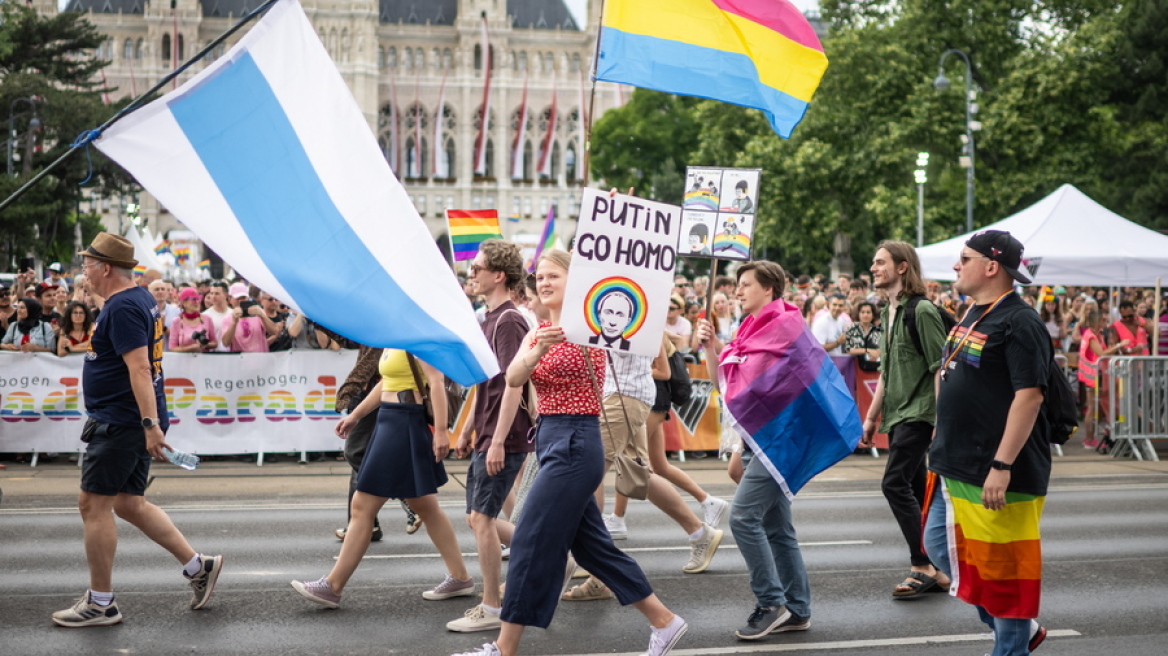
point(1007, 351)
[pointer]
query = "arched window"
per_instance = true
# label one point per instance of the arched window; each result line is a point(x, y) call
point(165, 49)
point(549, 63)
point(570, 162)
point(138, 49)
point(386, 119)
point(408, 59)
point(514, 61)
point(478, 57)
point(391, 58)
point(128, 49)
point(575, 62)
point(343, 55)
point(522, 62)
point(490, 163)
point(415, 158)
point(420, 59)
point(528, 159)
point(555, 160)
point(449, 160)
point(435, 58)
point(181, 56)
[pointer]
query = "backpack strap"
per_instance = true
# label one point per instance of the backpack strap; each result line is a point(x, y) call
point(910, 321)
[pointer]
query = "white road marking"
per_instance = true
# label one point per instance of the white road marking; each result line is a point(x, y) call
point(833, 543)
point(771, 648)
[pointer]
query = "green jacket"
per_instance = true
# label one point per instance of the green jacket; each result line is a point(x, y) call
point(909, 394)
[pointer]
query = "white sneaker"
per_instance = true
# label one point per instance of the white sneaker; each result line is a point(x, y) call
point(714, 510)
point(702, 550)
point(662, 641)
point(616, 527)
point(489, 649)
point(505, 551)
point(475, 619)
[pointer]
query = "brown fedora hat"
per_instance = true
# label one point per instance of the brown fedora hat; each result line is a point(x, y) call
point(111, 249)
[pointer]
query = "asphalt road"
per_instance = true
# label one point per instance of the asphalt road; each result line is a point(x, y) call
point(1105, 588)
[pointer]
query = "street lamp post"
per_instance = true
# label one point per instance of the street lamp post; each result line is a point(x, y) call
point(967, 160)
point(921, 177)
point(33, 124)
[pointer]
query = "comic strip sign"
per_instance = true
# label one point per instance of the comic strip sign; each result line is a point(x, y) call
point(718, 213)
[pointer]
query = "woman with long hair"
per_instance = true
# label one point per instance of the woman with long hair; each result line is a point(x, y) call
point(402, 461)
point(863, 337)
point(28, 333)
point(1094, 346)
point(1051, 314)
point(192, 331)
point(73, 333)
point(560, 513)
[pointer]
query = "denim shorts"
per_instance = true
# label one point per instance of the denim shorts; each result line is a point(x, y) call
point(485, 494)
point(116, 461)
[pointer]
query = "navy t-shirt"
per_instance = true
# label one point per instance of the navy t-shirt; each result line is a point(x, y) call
point(130, 319)
point(1007, 351)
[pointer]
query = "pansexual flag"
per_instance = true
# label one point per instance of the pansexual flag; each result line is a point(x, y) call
point(996, 554)
point(786, 398)
point(469, 229)
point(266, 156)
point(757, 53)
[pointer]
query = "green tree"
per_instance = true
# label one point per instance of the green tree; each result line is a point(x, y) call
point(51, 59)
point(646, 144)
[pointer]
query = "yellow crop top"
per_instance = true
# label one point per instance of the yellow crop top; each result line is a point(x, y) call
point(394, 368)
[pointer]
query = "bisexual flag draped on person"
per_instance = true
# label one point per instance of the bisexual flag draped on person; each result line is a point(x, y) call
point(786, 398)
point(756, 53)
point(266, 156)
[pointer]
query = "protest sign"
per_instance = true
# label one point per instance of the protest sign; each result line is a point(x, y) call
point(718, 212)
point(622, 273)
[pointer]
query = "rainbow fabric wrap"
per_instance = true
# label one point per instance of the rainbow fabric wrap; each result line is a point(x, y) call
point(757, 53)
point(786, 398)
point(996, 554)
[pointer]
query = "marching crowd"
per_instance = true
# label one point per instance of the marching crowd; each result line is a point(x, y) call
point(962, 376)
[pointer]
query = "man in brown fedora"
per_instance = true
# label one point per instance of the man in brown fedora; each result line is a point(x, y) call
point(122, 382)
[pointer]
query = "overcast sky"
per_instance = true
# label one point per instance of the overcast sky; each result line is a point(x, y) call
point(577, 7)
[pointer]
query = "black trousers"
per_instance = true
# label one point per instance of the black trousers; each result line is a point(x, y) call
point(355, 446)
point(904, 482)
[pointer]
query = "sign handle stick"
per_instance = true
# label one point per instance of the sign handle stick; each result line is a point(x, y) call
point(710, 293)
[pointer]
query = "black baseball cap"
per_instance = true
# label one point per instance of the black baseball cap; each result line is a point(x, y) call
point(1001, 247)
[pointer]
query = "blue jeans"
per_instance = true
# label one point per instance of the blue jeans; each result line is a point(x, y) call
point(1011, 637)
point(761, 522)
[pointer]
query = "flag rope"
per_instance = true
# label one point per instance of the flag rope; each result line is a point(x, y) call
point(88, 136)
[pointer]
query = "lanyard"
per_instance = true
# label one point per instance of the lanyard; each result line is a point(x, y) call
point(968, 332)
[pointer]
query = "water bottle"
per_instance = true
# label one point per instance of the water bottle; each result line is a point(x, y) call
point(188, 461)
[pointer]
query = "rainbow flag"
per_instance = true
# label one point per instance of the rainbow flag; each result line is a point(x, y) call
point(469, 229)
point(786, 398)
point(514, 218)
point(998, 563)
point(756, 53)
point(547, 238)
point(182, 254)
point(162, 247)
point(204, 264)
point(140, 270)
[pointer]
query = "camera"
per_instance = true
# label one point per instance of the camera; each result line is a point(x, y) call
point(246, 306)
point(200, 336)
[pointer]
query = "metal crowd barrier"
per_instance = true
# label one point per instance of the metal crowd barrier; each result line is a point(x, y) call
point(1137, 392)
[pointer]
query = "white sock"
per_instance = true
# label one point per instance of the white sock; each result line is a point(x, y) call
point(193, 566)
point(698, 534)
point(101, 598)
point(492, 610)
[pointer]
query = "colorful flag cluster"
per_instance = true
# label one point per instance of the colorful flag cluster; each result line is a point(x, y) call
point(182, 254)
point(786, 398)
point(756, 53)
point(469, 229)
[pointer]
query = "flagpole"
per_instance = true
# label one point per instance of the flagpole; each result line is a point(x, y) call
point(88, 136)
point(587, 145)
point(710, 293)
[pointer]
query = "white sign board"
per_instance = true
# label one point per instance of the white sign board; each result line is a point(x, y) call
point(719, 212)
point(622, 273)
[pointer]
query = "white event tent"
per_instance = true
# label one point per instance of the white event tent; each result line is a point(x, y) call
point(1070, 240)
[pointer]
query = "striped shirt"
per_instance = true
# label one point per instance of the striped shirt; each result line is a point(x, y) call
point(633, 374)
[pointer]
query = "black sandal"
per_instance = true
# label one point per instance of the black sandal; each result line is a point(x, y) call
point(918, 583)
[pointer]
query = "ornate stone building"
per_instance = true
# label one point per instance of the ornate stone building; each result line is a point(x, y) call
point(398, 57)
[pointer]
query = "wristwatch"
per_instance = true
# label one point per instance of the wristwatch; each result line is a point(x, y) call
point(149, 422)
point(998, 464)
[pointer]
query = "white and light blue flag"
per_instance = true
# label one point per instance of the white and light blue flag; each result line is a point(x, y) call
point(266, 156)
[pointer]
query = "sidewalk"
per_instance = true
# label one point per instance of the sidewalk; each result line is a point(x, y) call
point(56, 483)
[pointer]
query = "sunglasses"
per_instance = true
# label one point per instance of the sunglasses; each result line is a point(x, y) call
point(966, 258)
point(474, 269)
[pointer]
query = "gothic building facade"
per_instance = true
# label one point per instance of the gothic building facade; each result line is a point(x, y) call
point(399, 58)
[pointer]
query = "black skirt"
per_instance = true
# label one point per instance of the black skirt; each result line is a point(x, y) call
point(399, 461)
